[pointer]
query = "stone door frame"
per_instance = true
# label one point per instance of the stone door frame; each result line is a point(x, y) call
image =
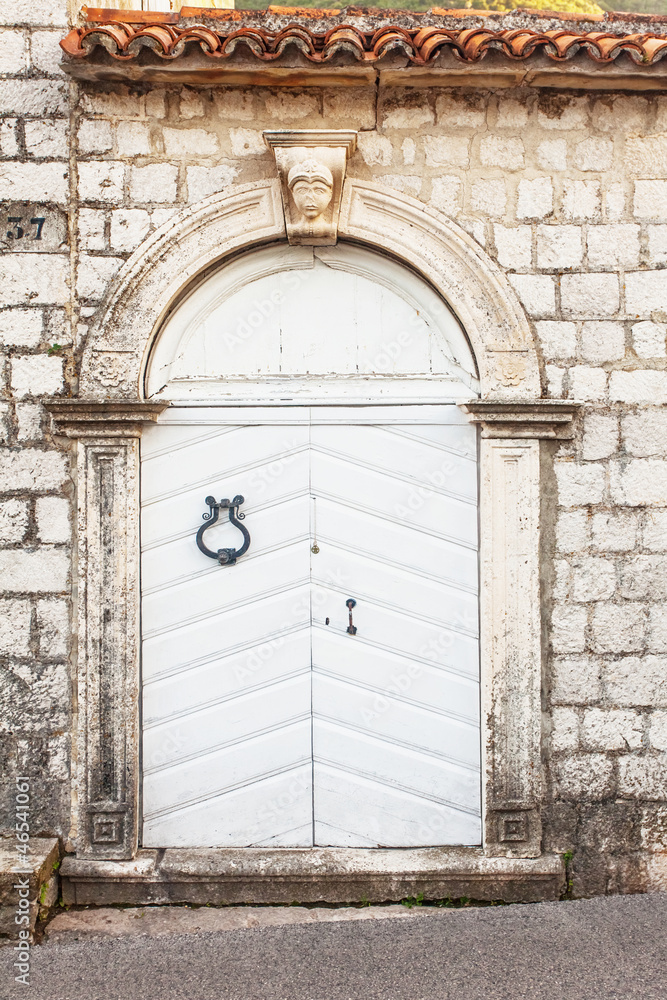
point(106, 421)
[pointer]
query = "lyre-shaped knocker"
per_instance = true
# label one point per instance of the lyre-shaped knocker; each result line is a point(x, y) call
point(226, 557)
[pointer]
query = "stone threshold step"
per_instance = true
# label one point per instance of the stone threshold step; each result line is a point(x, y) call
point(224, 876)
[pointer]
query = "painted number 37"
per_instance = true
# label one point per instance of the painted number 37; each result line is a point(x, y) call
point(18, 232)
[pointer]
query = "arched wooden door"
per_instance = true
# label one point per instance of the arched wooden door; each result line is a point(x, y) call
point(322, 690)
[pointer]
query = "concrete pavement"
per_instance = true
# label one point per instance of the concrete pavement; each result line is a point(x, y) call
point(613, 947)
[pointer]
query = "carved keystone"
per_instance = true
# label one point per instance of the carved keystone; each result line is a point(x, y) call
point(311, 166)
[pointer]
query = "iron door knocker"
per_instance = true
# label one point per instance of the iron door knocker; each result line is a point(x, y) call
point(226, 557)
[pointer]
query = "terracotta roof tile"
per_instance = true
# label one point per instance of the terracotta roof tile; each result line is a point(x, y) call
point(420, 45)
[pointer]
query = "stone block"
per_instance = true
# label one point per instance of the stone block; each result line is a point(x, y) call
point(613, 246)
point(572, 531)
point(594, 154)
point(537, 293)
point(407, 110)
point(581, 200)
point(193, 143)
point(489, 196)
point(33, 12)
point(292, 105)
point(639, 386)
point(13, 520)
point(600, 436)
point(128, 228)
point(101, 181)
point(118, 101)
point(646, 156)
point(405, 183)
point(9, 142)
point(579, 484)
point(650, 200)
point(40, 866)
point(41, 182)
point(657, 244)
point(409, 151)
point(559, 246)
point(34, 97)
point(446, 194)
point(645, 293)
point(644, 777)
point(657, 734)
point(21, 327)
point(536, 198)
point(190, 104)
point(504, 152)
point(29, 421)
point(644, 578)
point(13, 52)
point(568, 629)
point(32, 572)
point(94, 136)
point(236, 105)
point(589, 296)
point(514, 246)
point(447, 150)
point(461, 110)
point(555, 379)
point(53, 519)
point(602, 341)
point(376, 150)
point(648, 339)
point(562, 112)
point(552, 154)
point(133, 139)
point(654, 533)
point(614, 729)
point(654, 827)
point(645, 433)
point(37, 375)
point(31, 469)
point(205, 181)
point(154, 182)
point(593, 579)
point(53, 627)
point(564, 729)
point(558, 340)
point(47, 139)
point(45, 52)
point(614, 532)
point(35, 279)
point(618, 628)
point(15, 618)
point(584, 777)
point(614, 202)
point(92, 224)
point(641, 482)
point(341, 105)
point(588, 384)
point(94, 274)
point(636, 681)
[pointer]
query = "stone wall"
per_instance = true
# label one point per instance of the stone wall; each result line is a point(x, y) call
point(568, 192)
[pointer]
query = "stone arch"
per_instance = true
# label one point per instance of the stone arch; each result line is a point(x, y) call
point(154, 278)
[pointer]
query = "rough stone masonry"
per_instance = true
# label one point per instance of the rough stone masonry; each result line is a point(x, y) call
point(566, 190)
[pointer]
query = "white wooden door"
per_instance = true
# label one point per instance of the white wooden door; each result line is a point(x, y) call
point(265, 721)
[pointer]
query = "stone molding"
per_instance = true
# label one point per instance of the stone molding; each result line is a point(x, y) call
point(108, 418)
point(338, 875)
point(107, 557)
point(312, 156)
point(163, 268)
point(511, 614)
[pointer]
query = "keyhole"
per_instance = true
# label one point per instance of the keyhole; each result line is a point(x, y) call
point(326, 621)
point(349, 604)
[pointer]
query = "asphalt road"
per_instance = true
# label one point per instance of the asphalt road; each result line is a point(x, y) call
point(599, 949)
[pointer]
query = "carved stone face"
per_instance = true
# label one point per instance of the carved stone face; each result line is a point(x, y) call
point(311, 197)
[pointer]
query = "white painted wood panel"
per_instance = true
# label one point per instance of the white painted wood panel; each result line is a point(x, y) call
point(263, 724)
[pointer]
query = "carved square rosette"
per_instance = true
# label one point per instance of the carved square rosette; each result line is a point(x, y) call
point(107, 677)
point(511, 499)
point(311, 167)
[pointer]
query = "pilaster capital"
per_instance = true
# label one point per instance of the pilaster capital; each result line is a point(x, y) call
point(539, 418)
point(81, 418)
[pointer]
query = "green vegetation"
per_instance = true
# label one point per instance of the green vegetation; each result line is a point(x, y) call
point(568, 6)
